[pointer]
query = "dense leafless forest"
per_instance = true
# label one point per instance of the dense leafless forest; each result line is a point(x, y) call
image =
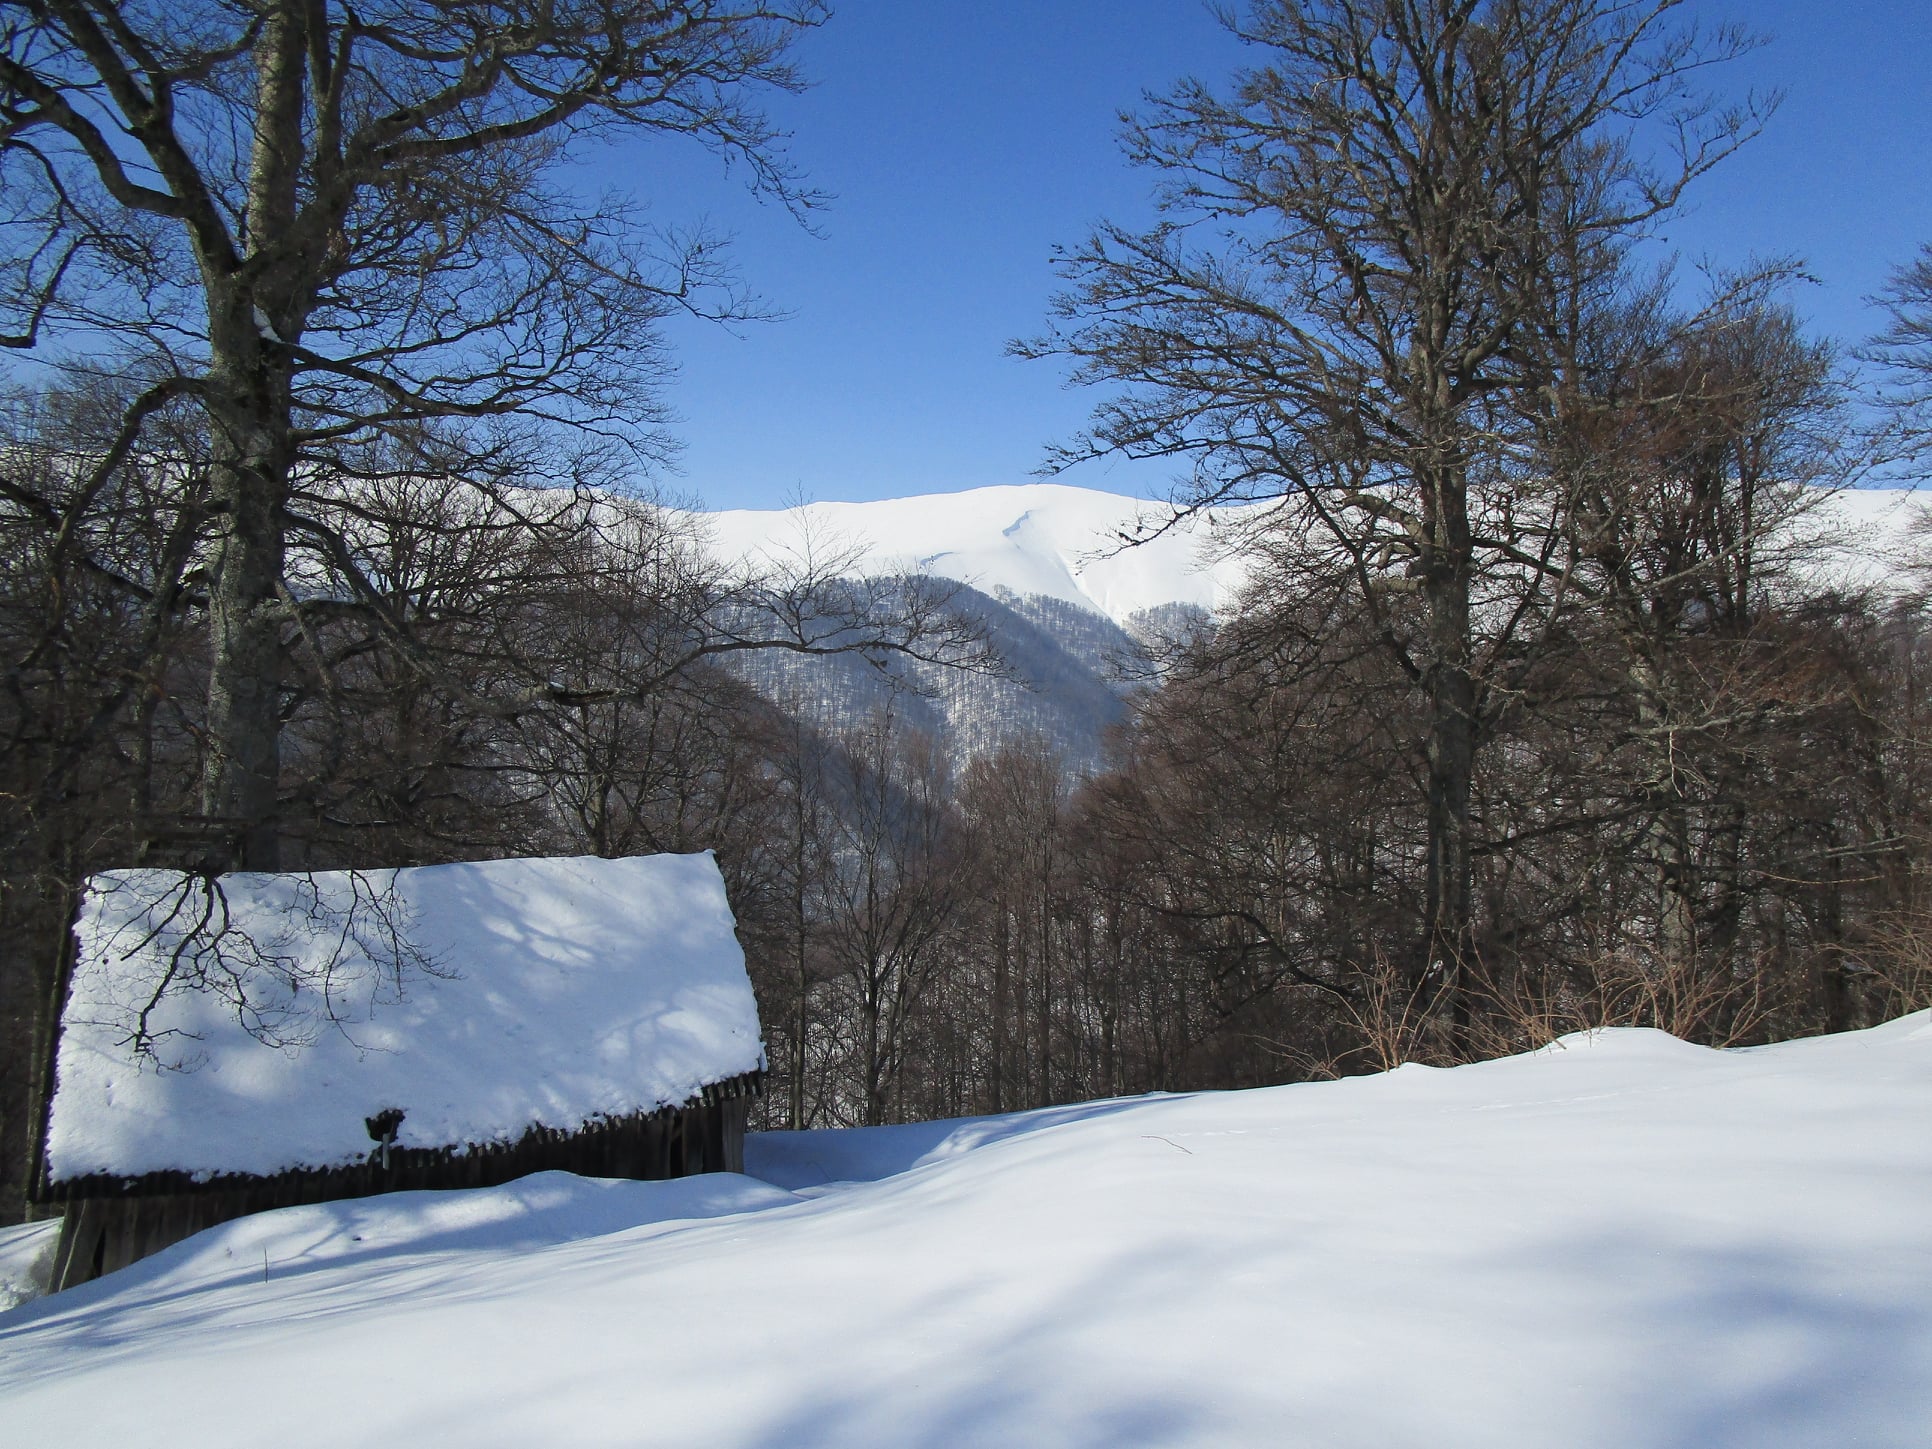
point(1545, 707)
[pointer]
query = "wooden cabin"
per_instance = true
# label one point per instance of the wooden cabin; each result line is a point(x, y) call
point(244, 1042)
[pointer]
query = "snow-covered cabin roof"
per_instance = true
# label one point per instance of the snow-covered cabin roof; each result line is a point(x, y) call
point(479, 999)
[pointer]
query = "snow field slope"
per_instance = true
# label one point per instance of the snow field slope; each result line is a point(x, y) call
point(1622, 1242)
point(1057, 541)
point(1044, 539)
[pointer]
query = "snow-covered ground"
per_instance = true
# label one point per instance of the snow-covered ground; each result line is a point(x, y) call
point(1622, 1242)
point(26, 1259)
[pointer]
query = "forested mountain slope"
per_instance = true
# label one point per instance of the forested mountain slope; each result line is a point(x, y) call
point(1071, 600)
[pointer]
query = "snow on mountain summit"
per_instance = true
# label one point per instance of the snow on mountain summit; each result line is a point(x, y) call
point(1063, 595)
point(1044, 539)
point(1072, 544)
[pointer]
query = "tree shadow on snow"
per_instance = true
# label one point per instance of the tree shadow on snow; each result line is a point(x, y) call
point(407, 1231)
point(1757, 1347)
point(822, 1157)
point(1012, 1386)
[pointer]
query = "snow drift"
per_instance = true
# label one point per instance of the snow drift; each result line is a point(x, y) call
point(1621, 1241)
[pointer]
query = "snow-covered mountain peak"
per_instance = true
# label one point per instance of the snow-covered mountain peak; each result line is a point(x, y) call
point(1049, 539)
point(1076, 545)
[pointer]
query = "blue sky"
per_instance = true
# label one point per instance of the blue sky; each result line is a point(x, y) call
point(962, 139)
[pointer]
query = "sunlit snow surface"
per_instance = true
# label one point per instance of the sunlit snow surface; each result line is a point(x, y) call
point(1622, 1242)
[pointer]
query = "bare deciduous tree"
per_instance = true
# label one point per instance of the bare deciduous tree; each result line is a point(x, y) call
point(895, 886)
point(1377, 247)
point(319, 223)
point(1903, 352)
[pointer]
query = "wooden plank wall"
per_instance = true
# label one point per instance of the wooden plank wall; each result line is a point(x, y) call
point(120, 1223)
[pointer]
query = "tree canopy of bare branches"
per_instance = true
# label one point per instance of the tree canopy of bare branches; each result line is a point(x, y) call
point(1381, 248)
point(1903, 352)
point(331, 228)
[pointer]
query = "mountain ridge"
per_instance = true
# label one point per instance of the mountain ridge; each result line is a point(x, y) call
point(1049, 571)
point(1052, 540)
point(1081, 545)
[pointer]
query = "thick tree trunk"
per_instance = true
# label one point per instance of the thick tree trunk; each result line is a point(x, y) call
point(250, 397)
point(34, 946)
point(240, 774)
point(1669, 827)
point(250, 404)
point(1451, 753)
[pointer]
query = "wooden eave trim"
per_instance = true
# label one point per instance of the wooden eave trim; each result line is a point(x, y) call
point(361, 1175)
